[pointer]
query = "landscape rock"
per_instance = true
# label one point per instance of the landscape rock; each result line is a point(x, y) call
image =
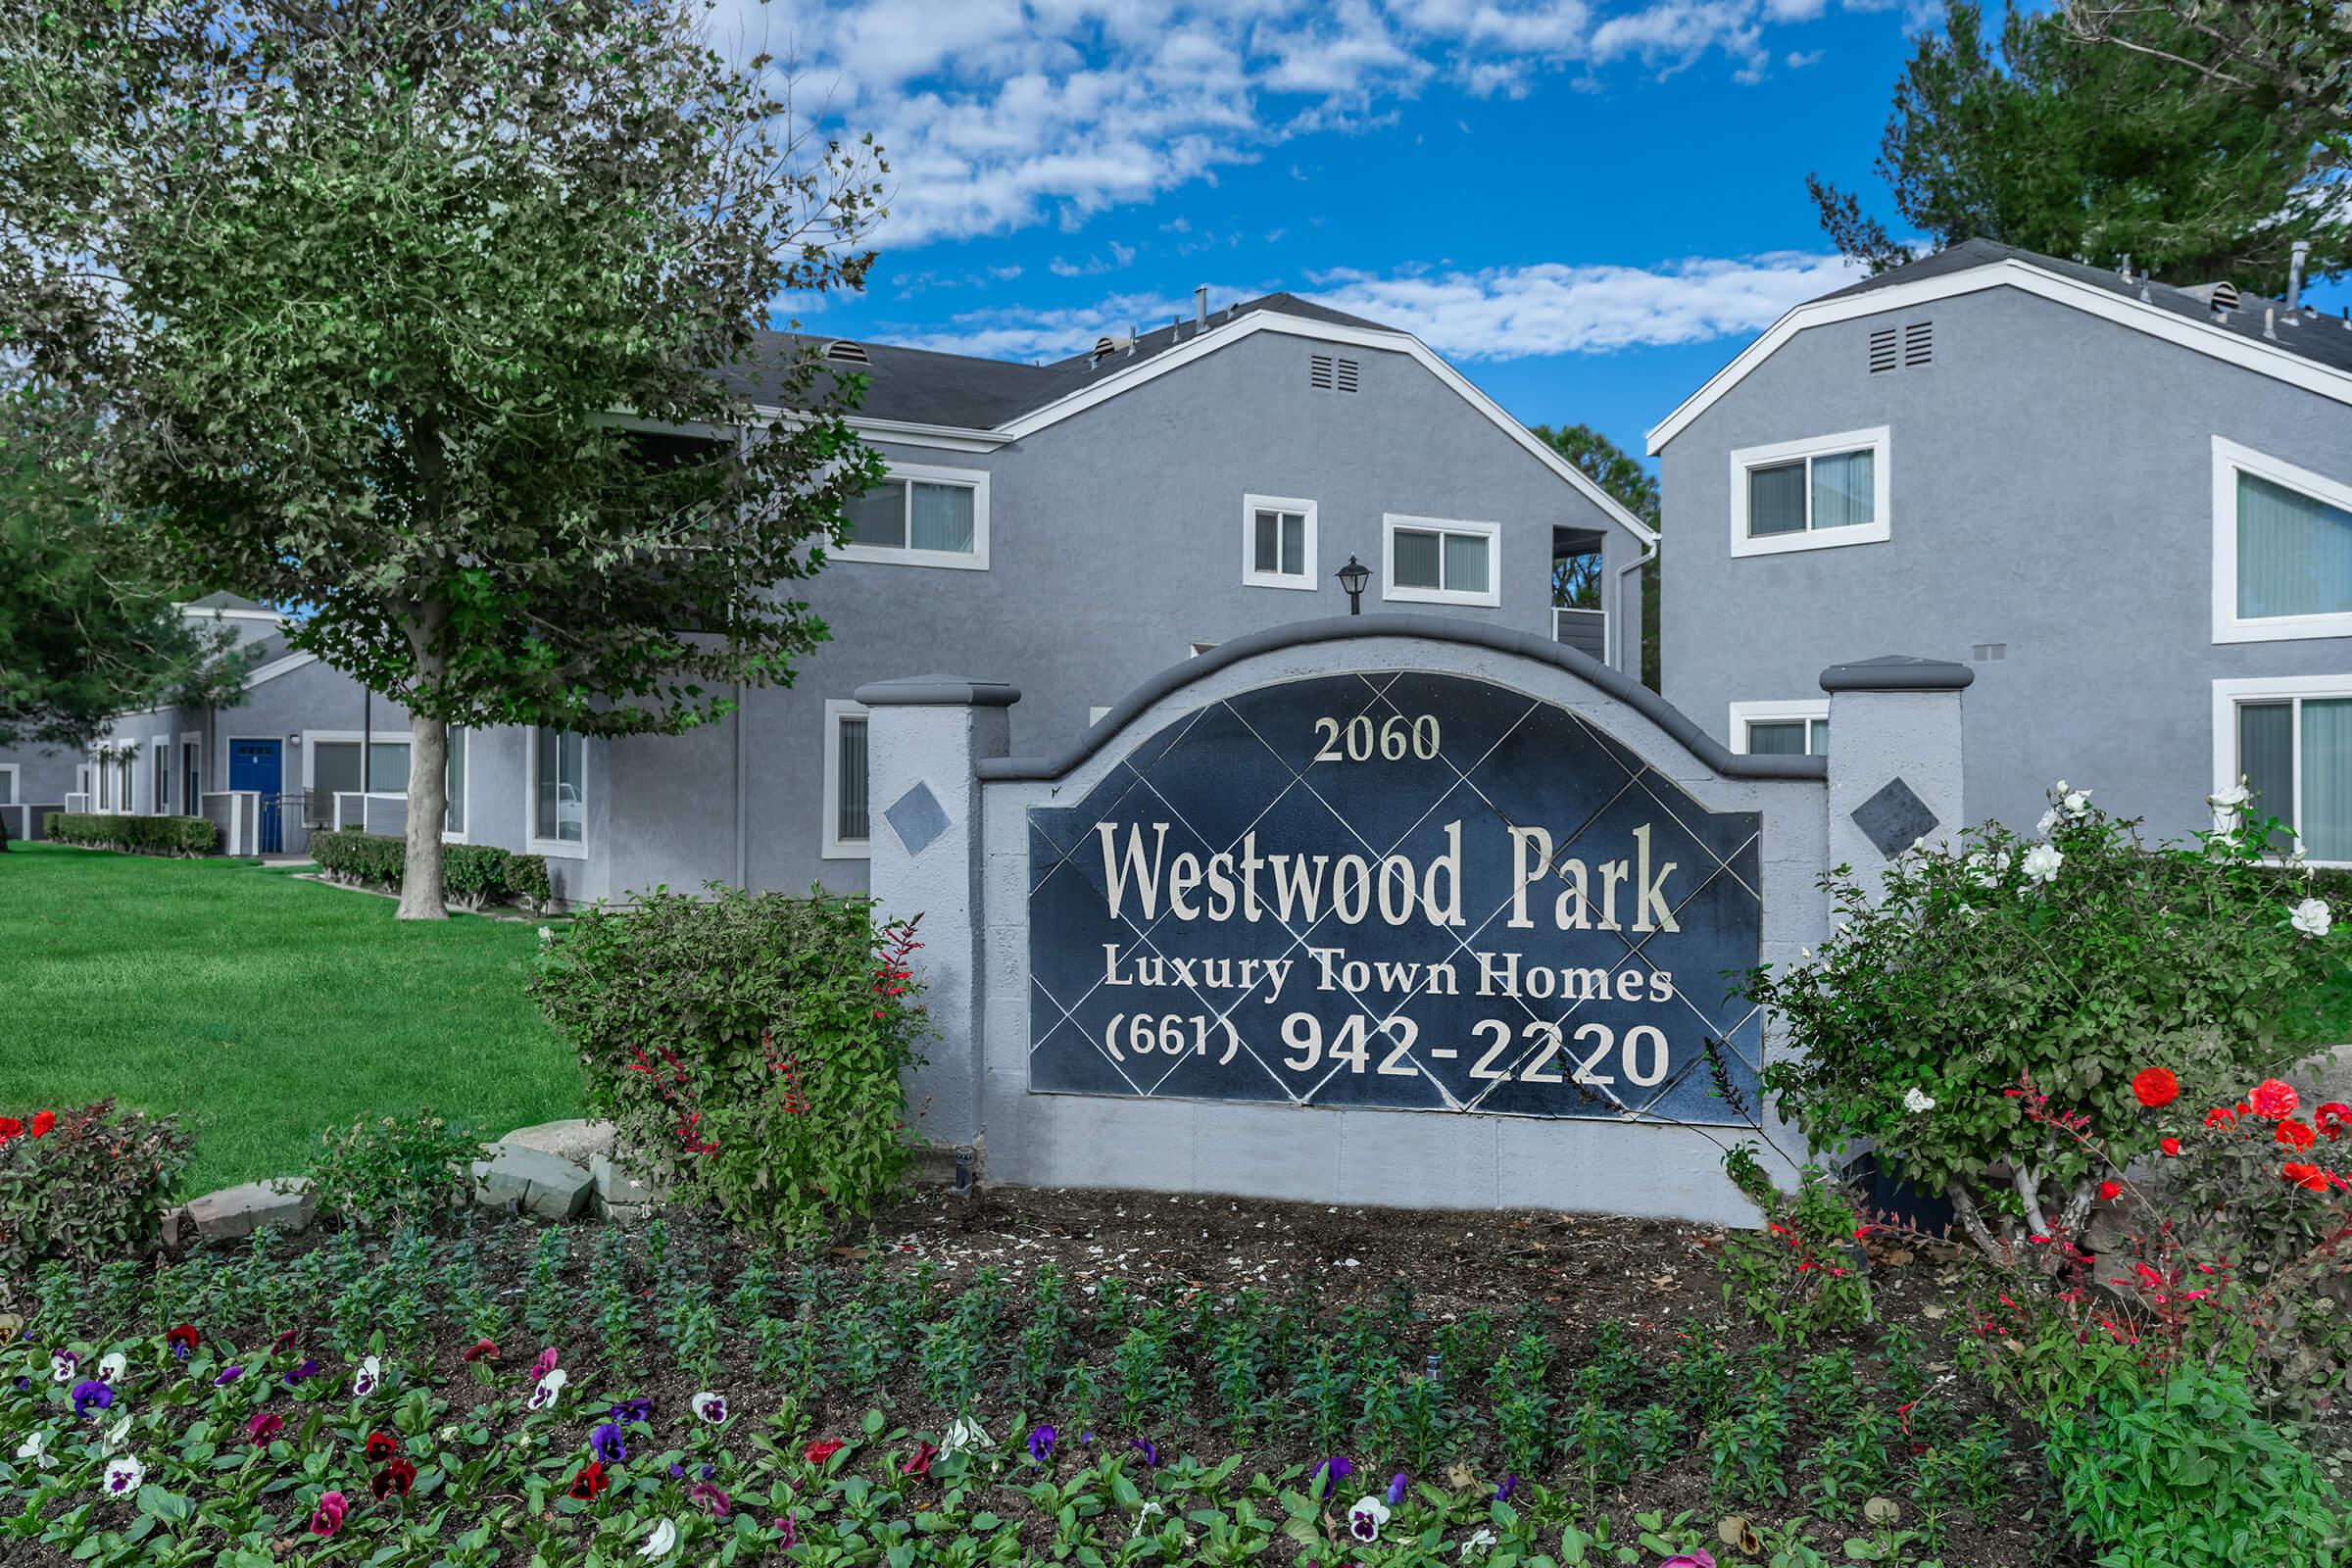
point(236, 1212)
point(618, 1194)
point(532, 1180)
point(577, 1139)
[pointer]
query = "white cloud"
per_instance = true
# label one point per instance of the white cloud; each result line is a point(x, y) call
point(1504, 312)
point(1002, 113)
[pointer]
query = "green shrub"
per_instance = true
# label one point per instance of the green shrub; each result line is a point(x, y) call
point(1804, 1270)
point(472, 875)
point(394, 1170)
point(1987, 966)
point(89, 1186)
point(747, 1047)
point(134, 835)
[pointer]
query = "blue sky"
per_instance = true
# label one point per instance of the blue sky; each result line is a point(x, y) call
point(1589, 205)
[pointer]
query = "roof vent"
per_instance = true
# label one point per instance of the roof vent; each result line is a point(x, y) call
point(1325, 373)
point(842, 351)
point(1105, 346)
point(2220, 296)
point(1919, 345)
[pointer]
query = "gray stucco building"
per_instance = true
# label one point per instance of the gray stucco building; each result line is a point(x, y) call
point(2127, 505)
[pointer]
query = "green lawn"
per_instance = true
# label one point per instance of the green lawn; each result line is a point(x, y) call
point(259, 1008)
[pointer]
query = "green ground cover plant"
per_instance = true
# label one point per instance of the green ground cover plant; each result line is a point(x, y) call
point(259, 1008)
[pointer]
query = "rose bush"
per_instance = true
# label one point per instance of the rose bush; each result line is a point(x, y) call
point(87, 1185)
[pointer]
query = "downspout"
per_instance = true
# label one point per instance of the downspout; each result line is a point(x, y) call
point(742, 774)
point(1617, 617)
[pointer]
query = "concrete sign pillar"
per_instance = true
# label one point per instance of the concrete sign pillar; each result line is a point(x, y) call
point(925, 736)
point(1894, 758)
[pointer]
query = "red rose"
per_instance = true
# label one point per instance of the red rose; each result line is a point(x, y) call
point(10, 1127)
point(382, 1445)
point(2156, 1087)
point(2294, 1135)
point(2171, 1146)
point(2109, 1191)
point(2308, 1177)
point(2220, 1116)
point(2331, 1118)
point(43, 1121)
point(819, 1451)
point(2274, 1099)
point(588, 1483)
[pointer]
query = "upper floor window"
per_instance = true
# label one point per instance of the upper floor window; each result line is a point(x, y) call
point(559, 791)
point(1435, 560)
point(1814, 493)
point(921, 516)
point(1799, 728)
point(1278, 542)
point(2282, 548)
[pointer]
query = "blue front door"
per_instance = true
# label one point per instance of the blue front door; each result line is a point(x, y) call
point(260, 766)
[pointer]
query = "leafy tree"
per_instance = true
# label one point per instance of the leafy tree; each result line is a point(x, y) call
point(1632, 486)
point(85, 632)
point(2102, 132)
point(374, 304)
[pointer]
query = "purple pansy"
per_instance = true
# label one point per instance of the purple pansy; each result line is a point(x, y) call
point(605, 1442)
point(228, 1374)
point(1504, 1487)
point(1328, 1475)
point(294, 1375)
point(627, 1410)
point(1041, 1445)
point(1397, 1485)
point(88, 1397)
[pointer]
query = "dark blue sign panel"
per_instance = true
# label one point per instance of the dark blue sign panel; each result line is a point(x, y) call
point(1393, 889)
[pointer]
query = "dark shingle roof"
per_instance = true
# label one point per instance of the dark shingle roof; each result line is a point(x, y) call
point(2320, 338)
point(921, 386)
point(226, 602)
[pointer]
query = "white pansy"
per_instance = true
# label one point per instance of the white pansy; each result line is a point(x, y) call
point(2043, 862)
point(963, 1435)
point(1366, 1517)
point(116, 1436)
point(1142, 1514)
point(2311, 918)
point(123, 1477)
point(112, 1366)
point(543, 1398)
point(662, 1543)
point(1481, 1542)
point(35, 1449)
point(365, 1381)
point(1917, 1100)
point(61, 1366)
point(712, 1407)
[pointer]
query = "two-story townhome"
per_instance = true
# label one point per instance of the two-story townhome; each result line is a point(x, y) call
point(1071, 528)
point(2128, 503)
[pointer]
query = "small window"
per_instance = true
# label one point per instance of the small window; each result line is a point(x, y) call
point(453, 818)
point(7, 783)
point(847, 802)
point(558, 788)
point(1810, 495)
point(191, 776)
point(159, 753)
point(2293, 749)
point(1278, 542)
point(921, 516)
point(2282, 548)
point(1435, 560)
point(1796, 728)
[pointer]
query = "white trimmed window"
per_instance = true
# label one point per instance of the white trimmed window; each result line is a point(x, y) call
point(558, 792)
point(1814, 494)
point(453, 821)
point(159, 768)
point(849, 805)
point(2282, 548)
point(7, 783)
point(921, 516)
point(192, 773)
point(1797, 728)
point(1438, 561)
point(2290, 737)
point(1278, 542)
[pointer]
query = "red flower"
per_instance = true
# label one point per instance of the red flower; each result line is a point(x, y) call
point(382, 1445)
point(43, 1121)
point(2294, 1135)
point(10, 1127)
point(2171, 1146)
point(182, 1337)
point(918, 1463)
point(2109, 1191)
point(2274, 1099)
point(397, 1477)
point(480, 1349)
point(2156, 1087)
point(262, 1427)
point(819, 1451)
point(588, 1483)
point(2308, 1177)
point(2331, 1118)
point(2220, 1116)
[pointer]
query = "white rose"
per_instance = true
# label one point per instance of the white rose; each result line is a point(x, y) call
point(2236, 798)
point(1915, 1101)
point(2043, 862)
point(2077, 802)
point(2049, 820)
point(2311, 918)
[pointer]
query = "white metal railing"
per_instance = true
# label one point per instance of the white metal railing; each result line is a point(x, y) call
point(352, 807)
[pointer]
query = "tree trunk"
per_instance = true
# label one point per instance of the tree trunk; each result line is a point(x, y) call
point(421, 896)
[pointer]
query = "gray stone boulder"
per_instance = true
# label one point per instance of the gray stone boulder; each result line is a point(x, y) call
point(621, 1196)
point(577, 1139)
point(532, 1181)
point(236, 1213)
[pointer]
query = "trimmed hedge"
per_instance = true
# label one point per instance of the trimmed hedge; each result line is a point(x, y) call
point(473, 876)
point(134, 835)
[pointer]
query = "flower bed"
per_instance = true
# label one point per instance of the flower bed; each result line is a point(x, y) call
point(1057, 1378)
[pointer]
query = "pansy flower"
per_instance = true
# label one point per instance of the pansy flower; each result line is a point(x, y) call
point(394, 1480)
point(1397, 1483)
point(90, 1396)
point(327, 1517)
point(605, 1442)
point(545, 1364)
point(823, 1448)
point(660, 1541)
point(1041, 1443)
point(294, 1377)
point(711, 1407)
point(181, 1340)
point(702, 1494)
point(550, 1384)
point(918, 1463)
point(1147, 1449)
point(62, 1365)
point(632, 1410)
point(35, 1449)
point(1366, 1517)
point(586, 1485)
point(228, 1374)
point(1328, 1476)
point(262, 1427)
point(112, 1366)
point(480, 1350)
point(786, 1534)
point(1504, 1487)
point(283, 1342)
point(121, 1477)
point(367, 1378)
point(382, 1445)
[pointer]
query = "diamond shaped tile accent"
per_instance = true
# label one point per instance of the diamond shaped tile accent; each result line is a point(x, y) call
point(1894, 818)
point(917, 818)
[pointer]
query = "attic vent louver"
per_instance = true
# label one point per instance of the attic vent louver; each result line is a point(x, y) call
point(1881, 350)
point(1919, 344)
point(1326, 373)
point(1346, 375)
point(845, 352)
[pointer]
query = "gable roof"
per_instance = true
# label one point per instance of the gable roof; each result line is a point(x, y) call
point(2309, 349)
point(926, 397)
